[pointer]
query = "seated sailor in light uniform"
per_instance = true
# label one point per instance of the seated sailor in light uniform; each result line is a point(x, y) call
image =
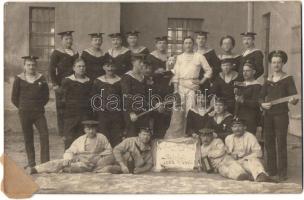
point(134, 154)
point(213, 152)
point(132, 40)
point(89, 152)
point(243, 147)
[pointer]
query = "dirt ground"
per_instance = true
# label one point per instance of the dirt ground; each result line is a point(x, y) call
point(169, 182)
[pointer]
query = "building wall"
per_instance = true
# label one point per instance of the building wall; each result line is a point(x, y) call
point(83, 18)
point(151, 19)
point(283, 17)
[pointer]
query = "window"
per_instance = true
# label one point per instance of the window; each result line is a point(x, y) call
point(178, 28)
point(42, 34)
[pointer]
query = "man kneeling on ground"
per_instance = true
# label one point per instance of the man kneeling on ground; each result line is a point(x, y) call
point(244, 148)
point(90, 152)
point(134, 154)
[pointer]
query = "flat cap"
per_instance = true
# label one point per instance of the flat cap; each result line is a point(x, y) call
point(65, 33)
point(30, 57)
point(96, 35)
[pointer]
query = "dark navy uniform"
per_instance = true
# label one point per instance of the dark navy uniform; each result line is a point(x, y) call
point(30, 99)
point(122, 61)
point(225, 90)
point(235, 59)
point(256, 57)
point(131, 87)
point(94, 62)
point(222, 128)
point(249, 110)
point(140, 49)
point(110, 119)
point(77, 107)
point(61, 66)
point(276, 120)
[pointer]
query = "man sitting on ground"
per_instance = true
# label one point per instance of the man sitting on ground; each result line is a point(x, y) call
point(134, 154)
point(245, 149)
point(90, 152)
point(213, 150)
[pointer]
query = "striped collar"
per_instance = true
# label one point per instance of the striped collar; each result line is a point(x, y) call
point(114, 80)
point(224, 56)
point(70, 52)
point(234, 75)
point(270, 78)
point(22, 76)
point(203, 51)
point(122, 51)
point(89, 51)
point(73, 78)
point(249, 51)
point(130, 73)
point(138, 49)
point(255, 82)
point(156, 55)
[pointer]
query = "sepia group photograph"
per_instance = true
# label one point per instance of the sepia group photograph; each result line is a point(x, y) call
point(172, 97)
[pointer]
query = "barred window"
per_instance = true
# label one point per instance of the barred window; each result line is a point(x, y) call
point(42, 34)
point(178, 28)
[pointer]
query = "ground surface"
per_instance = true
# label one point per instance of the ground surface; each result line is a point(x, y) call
point(169, 182)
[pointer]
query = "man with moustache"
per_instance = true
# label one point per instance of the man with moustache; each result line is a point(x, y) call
point(251, 53)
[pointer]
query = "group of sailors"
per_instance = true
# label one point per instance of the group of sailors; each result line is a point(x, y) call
point(121, 75)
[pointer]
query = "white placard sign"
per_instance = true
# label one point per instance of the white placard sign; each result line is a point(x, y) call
point(178, 155)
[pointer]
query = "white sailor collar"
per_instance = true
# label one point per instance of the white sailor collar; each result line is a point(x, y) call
point(130, 73)
point(22, 76)
point(234, 75)
point(70, 52)
point(249, 51)
point(73, 78)
point(138, 50)
point(226, 114)
point(255, 82)
point(225, 56)
point(103, 79)
point(204, 52)
point(89, 51)
point(156, 55)
point(270, 78)
point(122, 51)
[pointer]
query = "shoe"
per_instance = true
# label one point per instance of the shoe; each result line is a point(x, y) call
point(31, 170)
point(243, 177)
point(262, 177)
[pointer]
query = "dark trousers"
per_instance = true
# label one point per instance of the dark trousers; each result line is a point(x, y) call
point(111, 125)
point(72, 129)
point(275, 138)
point(60, 111)
point(28, 119)
point(161, 124)
point(251, 121)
